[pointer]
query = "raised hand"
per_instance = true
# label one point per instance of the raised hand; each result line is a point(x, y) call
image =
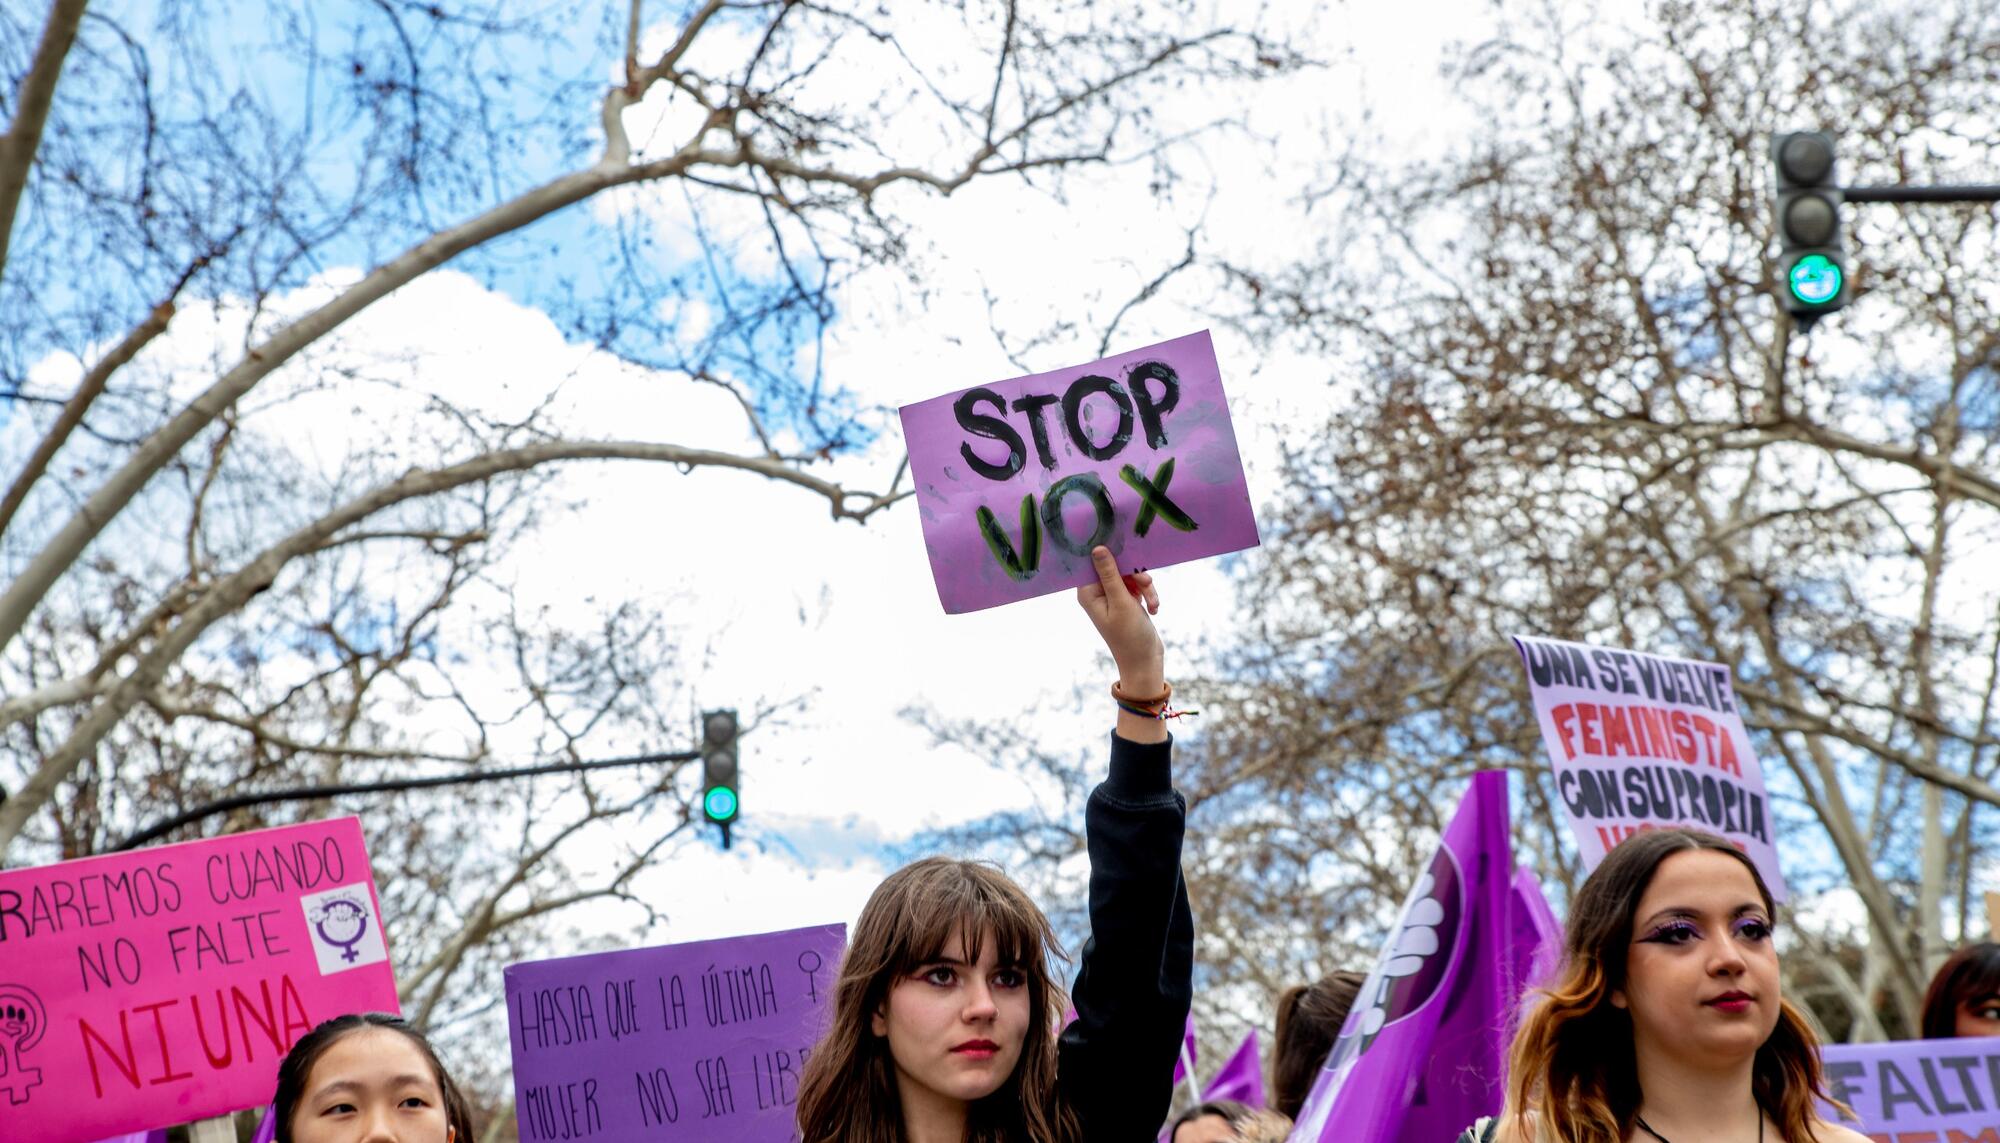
point(1120, 608)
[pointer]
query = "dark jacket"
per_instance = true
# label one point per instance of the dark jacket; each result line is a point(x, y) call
point(1115, 1063)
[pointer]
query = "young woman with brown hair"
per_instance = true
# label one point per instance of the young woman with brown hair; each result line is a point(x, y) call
point(945, 1015)
point(1666, 1024)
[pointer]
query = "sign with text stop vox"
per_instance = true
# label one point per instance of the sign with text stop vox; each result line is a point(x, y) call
point(1017, 480)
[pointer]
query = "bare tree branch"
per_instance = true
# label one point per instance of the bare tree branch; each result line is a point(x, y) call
point(31, 112)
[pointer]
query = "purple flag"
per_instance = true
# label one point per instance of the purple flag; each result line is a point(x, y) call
point(267, 1127)
point(1242, 1078)
point(1423, 1052)
point(156, 1135)
point(1538, 936)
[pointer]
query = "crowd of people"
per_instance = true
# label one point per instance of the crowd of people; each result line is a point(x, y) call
point(1665, 1022)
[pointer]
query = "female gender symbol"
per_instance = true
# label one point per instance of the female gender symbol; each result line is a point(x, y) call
point(812, 982)
point(349, 921)
point(22, 1022)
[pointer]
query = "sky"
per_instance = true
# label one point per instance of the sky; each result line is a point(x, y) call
point(841, 622)
point(789, 605)
point(849, 614)
point(786, 604)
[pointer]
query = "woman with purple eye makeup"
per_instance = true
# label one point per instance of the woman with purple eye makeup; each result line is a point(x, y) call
point(1666, 1023)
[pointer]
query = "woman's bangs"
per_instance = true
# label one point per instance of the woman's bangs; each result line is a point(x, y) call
point(969, 911)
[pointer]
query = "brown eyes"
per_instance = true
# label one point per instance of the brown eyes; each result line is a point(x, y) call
point(944, 977)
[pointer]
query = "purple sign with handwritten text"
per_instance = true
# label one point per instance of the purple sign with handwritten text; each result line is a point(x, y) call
point(687, 1043)
point(1017, 480)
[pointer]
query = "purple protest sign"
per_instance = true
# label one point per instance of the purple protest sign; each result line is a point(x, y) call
point(1918, 1091)
point(1423, 1051)
point(693, 1043)
point(1017, 480)
point(1642, 741)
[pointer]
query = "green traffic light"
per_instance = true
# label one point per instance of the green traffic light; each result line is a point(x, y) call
point(720, 804)
point(1816, 279)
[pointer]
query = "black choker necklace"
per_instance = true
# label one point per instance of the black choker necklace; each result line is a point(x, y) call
point(1648, 1128)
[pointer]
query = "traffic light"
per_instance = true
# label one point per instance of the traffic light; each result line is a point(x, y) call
point(1812, 266)
point(719, 802)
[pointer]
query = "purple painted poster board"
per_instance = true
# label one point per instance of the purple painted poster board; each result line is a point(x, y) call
point(1919, 1091)
point(163, 985)
point(1015, 479)
point(689, 1043)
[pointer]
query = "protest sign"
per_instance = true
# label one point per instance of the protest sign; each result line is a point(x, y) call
point(688, 1043)
point(1424, 1048)
point(1643, 741)
point(164, 985)
point(1017, 480)
point(1919, 1091)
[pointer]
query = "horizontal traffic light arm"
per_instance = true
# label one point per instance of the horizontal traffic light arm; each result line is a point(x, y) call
point(311, 793)
point(1922, 194)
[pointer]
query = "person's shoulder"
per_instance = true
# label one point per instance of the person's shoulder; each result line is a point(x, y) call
point(1825, 1132)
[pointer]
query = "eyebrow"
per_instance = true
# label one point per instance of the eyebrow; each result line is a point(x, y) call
point(404, 1080)
point(1695, 914)
point(950, 962)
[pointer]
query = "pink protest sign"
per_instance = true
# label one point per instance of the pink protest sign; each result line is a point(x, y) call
point(1017, 480)
point(164, 985)
point(694, 1043)
point(1642, 741)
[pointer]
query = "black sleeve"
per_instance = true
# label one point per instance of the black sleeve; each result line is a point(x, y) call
point(1136, 978)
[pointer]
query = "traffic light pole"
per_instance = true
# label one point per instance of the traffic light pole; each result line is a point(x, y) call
point(314, 793)
point(1922, 194)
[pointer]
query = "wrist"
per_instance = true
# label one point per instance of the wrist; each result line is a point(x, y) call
point(1142, 679)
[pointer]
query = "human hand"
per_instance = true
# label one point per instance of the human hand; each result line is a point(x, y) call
point(1119, 607)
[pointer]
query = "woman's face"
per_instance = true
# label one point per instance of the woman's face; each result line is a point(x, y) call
point(955, 1029)
point(1701, 977)
point(371, 1086)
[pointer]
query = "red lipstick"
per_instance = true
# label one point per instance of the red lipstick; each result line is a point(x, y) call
point(1730, 1002)
point(976, 1049)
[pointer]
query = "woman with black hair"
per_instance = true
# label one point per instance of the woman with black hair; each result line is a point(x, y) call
point(367, 1076)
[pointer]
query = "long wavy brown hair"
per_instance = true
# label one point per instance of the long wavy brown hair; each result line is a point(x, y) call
point(848, 1094)
point(1573, 1077)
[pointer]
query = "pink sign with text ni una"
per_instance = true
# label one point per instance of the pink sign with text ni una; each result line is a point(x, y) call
point(1017, 480)
point(164, 985)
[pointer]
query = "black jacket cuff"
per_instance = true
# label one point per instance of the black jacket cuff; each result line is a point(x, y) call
point(1140, 771)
